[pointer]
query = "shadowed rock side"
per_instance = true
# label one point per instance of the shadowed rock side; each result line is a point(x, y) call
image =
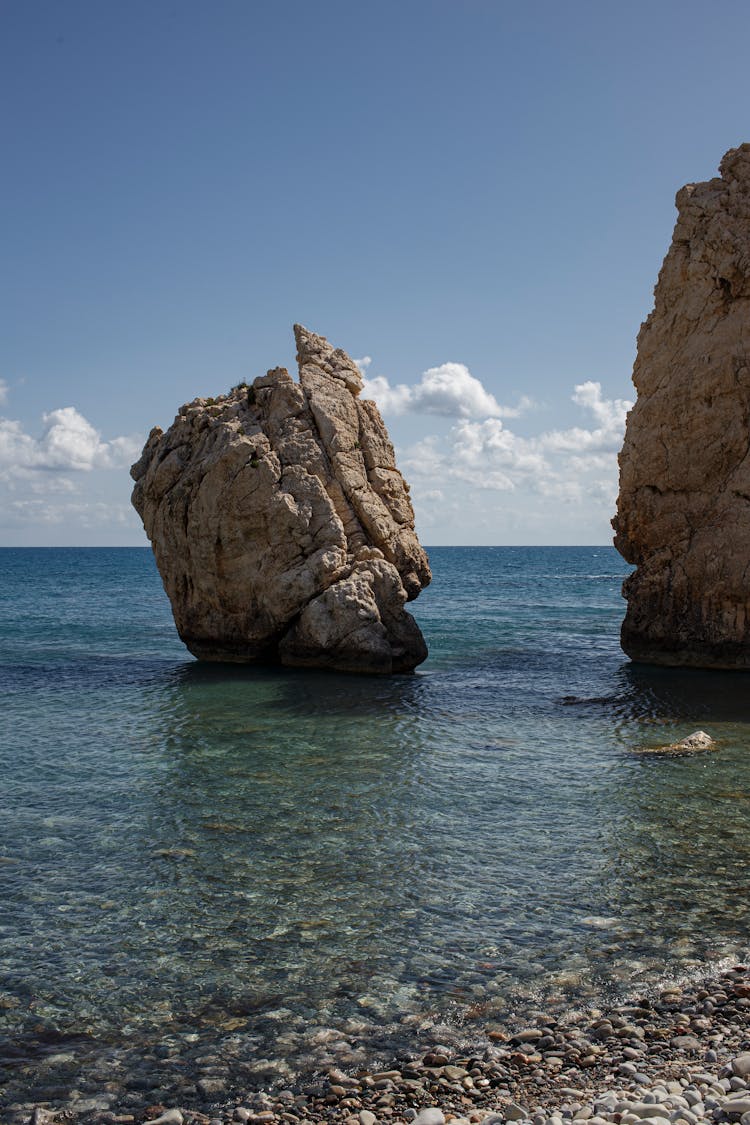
point(282, 529)
point(683, 514)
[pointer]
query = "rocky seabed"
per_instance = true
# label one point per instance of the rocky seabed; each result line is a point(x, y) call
point(680, 1056)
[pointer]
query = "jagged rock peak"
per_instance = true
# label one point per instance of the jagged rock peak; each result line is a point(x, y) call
point(316, 351)
point(683, 514)
point(282, 529)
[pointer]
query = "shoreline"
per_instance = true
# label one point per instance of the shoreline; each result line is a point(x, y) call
point(666, 1057)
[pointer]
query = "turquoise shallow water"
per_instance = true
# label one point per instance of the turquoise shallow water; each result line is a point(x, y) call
point(288, 869)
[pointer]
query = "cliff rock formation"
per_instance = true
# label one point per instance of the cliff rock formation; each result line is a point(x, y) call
point(282, 529)
point(683, 515)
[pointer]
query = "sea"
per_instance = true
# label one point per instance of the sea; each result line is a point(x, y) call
point(262, 873)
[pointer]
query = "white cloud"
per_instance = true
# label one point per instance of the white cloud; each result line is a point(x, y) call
point(452, 390)
point(16, 447)
point(565, 465)
point(609, 413)
point(58, 481)
point(4, 389)
point(485, 454)
point(490, 441)
point(449, 390)
point(68, 443)
point(390, 400)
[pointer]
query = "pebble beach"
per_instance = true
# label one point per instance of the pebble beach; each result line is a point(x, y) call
point(680, 1055)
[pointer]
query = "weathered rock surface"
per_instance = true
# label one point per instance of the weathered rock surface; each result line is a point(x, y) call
point(282, 529)
point(683, 515)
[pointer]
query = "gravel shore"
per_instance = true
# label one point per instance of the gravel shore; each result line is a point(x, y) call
point(679, 1056)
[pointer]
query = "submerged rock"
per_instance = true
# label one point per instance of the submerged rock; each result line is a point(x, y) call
point(282, 529)
point(683, 515)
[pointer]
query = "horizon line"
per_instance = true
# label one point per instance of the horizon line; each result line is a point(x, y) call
point(426, 546)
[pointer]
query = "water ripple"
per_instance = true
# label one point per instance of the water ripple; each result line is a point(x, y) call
point(187, 846)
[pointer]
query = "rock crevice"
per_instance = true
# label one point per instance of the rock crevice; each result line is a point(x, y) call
point(682, 516)
point(281, 526)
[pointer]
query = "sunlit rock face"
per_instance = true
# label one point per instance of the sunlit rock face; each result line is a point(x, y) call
point(282, 529)
point(683, 515)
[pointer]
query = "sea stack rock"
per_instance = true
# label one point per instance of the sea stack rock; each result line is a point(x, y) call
point(683, 514)
point(282, 529)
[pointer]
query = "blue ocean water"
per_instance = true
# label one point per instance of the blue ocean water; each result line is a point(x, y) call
point(294, 869)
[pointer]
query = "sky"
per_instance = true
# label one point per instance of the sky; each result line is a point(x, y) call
point(471, 197)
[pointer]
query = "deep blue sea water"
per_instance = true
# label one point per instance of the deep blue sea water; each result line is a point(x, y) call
point(286, 870)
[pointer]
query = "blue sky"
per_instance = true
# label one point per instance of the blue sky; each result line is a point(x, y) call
point(479, 190)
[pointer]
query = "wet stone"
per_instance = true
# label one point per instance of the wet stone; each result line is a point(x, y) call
point(211, 1087)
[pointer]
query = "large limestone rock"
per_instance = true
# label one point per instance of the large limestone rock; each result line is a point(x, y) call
point(282, 529)
point(683, 514)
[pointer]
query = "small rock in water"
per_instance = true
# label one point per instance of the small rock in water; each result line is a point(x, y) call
point(692, 744)
point(698, 740)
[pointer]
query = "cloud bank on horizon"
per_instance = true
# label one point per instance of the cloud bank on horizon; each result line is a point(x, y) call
point(70, 478)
